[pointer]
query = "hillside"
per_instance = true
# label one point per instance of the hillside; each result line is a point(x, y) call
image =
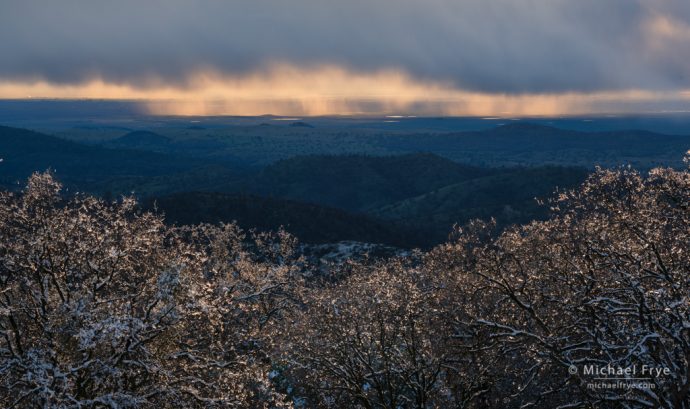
point(209, 178)
point(531, 144)
point(358, 182)
point(509, 197)
point(517, 143)
point(142, 140)
point(189, 144)
point(100, 169)
point(310, 223)
point(327, 197)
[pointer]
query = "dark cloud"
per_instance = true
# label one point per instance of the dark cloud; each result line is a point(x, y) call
point(509, 46)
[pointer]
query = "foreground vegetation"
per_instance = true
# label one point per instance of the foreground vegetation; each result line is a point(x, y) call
point(104, 306)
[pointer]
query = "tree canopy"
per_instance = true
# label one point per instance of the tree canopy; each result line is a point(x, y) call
point(103, 305)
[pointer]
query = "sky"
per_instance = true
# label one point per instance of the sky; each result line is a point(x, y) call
point(319, 57)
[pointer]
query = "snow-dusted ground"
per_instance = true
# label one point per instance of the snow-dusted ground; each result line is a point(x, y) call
point(341, 251)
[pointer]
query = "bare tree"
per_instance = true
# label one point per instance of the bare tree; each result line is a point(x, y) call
point(519, 319)
point(604, 284)
point(102, 306)
point(372, 340)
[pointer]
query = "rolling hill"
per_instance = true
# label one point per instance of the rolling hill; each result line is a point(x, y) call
point(310, 223)
point(89, 167)
point(358, 182)
point(509, 197)
point(527, 144)
point(406, 200)
point(141, 140)
point(518, 143)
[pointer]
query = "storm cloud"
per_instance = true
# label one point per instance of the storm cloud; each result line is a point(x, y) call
point(493, 46)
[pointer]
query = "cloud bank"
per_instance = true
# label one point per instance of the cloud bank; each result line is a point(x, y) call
point(509, 50)
point(290, 90)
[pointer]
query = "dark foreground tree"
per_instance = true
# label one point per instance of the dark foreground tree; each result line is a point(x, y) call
point(525, 319)
point(604, 284)
point(101, 306)
point(370, 341)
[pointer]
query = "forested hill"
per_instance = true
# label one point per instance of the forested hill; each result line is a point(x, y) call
point(415, 200)
point(532, 144)
point(404, 199)
point(515, 143)
point(80, 165)
point(311, 223)
point(510, 197)
point(359, 182)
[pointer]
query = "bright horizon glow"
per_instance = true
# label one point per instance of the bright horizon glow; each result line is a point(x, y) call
point(332, 90)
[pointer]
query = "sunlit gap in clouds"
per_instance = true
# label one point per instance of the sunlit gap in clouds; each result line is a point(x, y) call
point(333, 90)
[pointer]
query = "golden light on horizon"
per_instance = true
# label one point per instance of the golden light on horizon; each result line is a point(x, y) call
point(329, 90)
